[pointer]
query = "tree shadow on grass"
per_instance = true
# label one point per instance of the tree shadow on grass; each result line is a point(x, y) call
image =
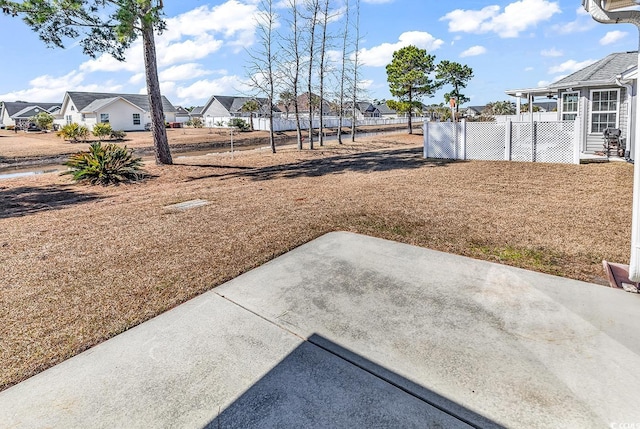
point(387, 160)
point(26, 200)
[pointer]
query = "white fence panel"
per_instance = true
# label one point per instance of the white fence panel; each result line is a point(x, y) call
point(521, 146)
point(442, 142)
point(555, 141)
point(485, 141)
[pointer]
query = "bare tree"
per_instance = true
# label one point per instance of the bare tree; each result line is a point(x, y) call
point(313, 8)
point(322, 70)
point(291, 64)
point(343, 70)
point(355, 73)
point(263, 61)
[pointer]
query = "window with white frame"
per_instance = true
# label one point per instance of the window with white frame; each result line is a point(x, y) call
point(136, 119)
point(570, 105)
point(104, 118)
point(604, 109)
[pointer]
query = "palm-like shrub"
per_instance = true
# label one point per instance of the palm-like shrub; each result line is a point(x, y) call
point(102, 130)
point(73, 132)
point(105, 165)
point(118, 135)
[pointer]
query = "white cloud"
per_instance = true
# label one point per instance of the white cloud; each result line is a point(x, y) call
point(204, 88)
point(553, 52)
point(47, 88)
point(583, 22)
point(543, 83)
point(190, 36)
point(514, 19)
point(183, 72)
point(612, 37)
point(570, 66)
point(474, 51)
point(527, 69)
point(381, 55)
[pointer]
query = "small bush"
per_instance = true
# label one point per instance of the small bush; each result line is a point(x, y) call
point(118, 135)
point(197, 122)
point(105, 165)
point(102, 130)
point(73, 132)
point(238, 123)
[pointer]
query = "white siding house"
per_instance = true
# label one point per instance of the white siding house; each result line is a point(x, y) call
point(127, 112)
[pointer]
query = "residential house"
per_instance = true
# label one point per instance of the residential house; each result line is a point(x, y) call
point(472, 111)
point(600, 96)
point(18, 113)
point(127, 112)
point(385, 111)
point(182, 114)
point(303, 105)
point(366, 109)
point(222, 106)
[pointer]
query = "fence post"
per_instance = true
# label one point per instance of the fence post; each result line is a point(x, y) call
point(425, 132)
point(577, 134)
point(463, 132)
point(507, 140)
point(534, 127)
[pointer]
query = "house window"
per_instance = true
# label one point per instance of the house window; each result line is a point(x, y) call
point(136, 119)
point(570, 105)
point(73, 108)
point(104, 118)
point(69, 119)
point(84, 117)
point(604, 110)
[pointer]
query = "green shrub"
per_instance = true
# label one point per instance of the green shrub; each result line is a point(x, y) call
point(118, 135)
point(102, 130)
point(105, 165)
point(42, 120)
point(197, 122)
point(73, 132)
point(238, 123)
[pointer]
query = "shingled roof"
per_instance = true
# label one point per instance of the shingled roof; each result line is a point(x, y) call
point(234, 104)
point(19, 106)
point(601, 72)
point(83, 99)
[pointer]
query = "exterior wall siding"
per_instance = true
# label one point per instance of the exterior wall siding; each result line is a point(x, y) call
point(594, 141)
point(121, 116)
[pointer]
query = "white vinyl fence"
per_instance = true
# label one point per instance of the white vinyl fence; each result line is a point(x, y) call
point(555, 141)
point(282, 124)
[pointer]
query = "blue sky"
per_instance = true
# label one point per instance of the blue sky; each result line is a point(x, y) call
point(508, 43)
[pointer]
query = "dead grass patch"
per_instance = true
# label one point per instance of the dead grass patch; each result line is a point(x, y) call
point(81, 264)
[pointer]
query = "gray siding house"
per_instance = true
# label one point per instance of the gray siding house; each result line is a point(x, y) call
point(601, 95)
point(18, 113)
point(231, 106)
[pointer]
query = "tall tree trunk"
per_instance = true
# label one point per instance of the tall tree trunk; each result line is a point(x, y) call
point(314, 16)
point(345, 37)
point(410, 111)
point(322, 55)
point(355, 73)
point(158, 129)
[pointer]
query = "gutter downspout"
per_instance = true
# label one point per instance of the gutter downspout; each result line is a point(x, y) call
point(629, 87)
point(628, 17)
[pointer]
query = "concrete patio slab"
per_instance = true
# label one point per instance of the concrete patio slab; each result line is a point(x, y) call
point(352, 331)
point(521, 348)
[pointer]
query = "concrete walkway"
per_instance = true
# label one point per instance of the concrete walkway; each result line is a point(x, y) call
point(350, 331)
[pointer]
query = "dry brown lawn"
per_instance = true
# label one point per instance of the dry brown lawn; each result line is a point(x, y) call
point(81, 264)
